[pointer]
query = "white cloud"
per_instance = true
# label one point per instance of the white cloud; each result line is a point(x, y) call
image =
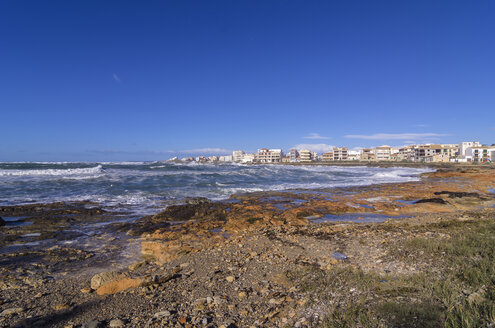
point(318, 148)
point(420, 125)
point(397, 136)
point(217, 151)
point(137, 152)
point(315, 136)
point(116, 78)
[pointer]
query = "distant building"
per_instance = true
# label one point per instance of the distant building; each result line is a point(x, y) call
point(248, 158)
point(187, 159)
point(293, 155)
point(382, 153)
point(406, 153)
point(353, 155)
point(367, 154)
point(327, 157)
point(227, 158)
point(479, 154)
point(305, 155)
point(266, 155)
point(437, 158)
point(340, 153)
point(463, 146)
point(237, 155)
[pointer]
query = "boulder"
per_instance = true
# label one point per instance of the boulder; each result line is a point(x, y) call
point(116, 286)
point(105, 277)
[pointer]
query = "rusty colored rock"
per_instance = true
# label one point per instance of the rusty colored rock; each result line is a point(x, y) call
point(118, 286)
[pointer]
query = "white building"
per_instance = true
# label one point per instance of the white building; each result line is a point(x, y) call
point(382, 153)
point(293, 154)
point(248, 158)
point(305, 155)
point(227, 158)
point(480, 154)
point(463, 146)
point(340, 153)
point(237, 155)
point(266, 155)
point(354, 155)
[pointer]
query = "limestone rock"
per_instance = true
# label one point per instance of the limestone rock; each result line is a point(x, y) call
point(105, 277)
point(11, 311)
point(116, 286)
point(116, 323)
point(92, 324)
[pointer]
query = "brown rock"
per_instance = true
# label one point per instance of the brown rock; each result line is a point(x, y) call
point(105, 277)
point(118, 286)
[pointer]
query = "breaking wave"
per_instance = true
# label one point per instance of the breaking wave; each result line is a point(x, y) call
point(144, 186)
point(69, 172)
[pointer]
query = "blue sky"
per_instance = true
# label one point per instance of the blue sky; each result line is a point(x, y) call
point(145, 80)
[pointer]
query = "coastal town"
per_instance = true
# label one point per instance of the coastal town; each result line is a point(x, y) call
point(464, 152)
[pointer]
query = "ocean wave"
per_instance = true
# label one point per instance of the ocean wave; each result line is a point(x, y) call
point(71, 172)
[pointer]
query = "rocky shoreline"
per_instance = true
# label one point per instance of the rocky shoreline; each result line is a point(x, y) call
point(268, 259)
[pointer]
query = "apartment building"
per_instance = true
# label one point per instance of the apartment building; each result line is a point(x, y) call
point(367, 154)
point(437, 158)
point(237, 155)
point(328, 156)
point(406, 153)
point(248, 158)
point(340, 153)
point(463, 146)
point(293, 155)
point(353, 155)
point(480, 154)
point(382, 153)
point(305, 155)
point(266, 155)
point(226, 158)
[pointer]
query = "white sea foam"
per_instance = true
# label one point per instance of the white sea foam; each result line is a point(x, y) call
point(52, 172)
point(143, 186)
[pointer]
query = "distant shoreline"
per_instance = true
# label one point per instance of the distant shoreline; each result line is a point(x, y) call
point(385, 164)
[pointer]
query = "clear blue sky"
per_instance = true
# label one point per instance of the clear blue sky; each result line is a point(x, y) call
point(142, 80)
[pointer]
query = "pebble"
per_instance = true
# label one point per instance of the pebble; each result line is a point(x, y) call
point(115, 323)
point(11, 311)
point(92, 324)
point(162, 314)
point(230, 278)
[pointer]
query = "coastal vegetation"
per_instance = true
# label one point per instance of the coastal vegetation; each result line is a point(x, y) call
point(456, 290)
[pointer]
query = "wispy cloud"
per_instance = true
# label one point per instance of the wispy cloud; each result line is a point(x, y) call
point(116, 78)
point(315, 136)
point(318, 148)
point(397, 136)
point(217, 151)
point(421, 125)
point(137, 152)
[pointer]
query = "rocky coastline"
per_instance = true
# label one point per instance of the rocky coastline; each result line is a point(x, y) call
point(293, 258)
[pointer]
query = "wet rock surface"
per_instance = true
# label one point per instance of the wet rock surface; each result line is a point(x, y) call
point(214, 264)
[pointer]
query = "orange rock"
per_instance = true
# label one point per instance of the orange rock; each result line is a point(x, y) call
point(118, 286)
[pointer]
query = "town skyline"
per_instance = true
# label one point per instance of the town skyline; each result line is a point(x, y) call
point(463, 152)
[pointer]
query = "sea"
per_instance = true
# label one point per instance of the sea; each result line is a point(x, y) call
point(144, 187)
